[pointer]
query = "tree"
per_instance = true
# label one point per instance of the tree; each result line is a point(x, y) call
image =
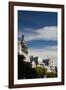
point(51, 74)
point(41, 71)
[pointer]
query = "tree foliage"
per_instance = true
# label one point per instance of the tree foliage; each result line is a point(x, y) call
point(41, 71)
point(51, 75)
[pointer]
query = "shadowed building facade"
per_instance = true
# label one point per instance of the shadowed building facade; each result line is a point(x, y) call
point(25, 70)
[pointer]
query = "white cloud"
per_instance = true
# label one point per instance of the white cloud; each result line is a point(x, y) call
point(48, 52)
point(53, 48)
point(46, 33)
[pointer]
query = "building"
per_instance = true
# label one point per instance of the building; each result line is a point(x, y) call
point(53, 64)
point(33, 61)
point(46, 62)
point(33, 64)
point(23, 48)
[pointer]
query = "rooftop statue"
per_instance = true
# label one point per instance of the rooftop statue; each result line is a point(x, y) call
point(22, 37)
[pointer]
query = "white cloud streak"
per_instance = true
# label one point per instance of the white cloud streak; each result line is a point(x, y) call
point(46, 33)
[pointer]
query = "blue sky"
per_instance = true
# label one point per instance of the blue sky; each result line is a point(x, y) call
point(36, 20)
point(39, 29)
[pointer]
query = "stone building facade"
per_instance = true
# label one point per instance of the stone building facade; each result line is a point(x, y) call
point(23, 48)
